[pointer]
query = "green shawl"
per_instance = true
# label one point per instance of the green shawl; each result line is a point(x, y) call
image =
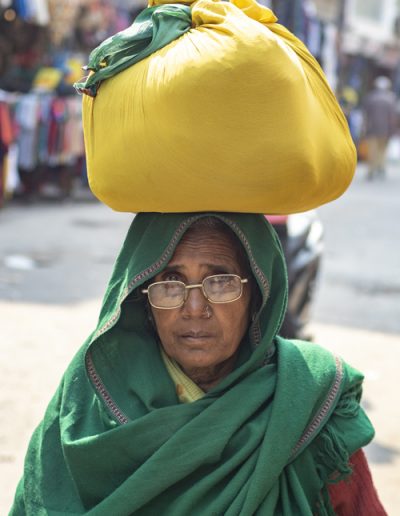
point(265, 441)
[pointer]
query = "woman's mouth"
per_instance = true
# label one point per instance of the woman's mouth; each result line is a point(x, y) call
point(196, 335)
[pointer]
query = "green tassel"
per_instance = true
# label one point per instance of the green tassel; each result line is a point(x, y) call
point(348, 405)
point(333, 457)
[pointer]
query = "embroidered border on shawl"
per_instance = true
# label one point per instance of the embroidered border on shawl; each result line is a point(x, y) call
point(105, 395)
point(325, 409)
point(256, 330)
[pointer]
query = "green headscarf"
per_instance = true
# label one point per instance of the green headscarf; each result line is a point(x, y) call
point(265, 441)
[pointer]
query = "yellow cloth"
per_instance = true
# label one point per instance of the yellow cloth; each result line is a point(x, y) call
point(235, 115)
point(186, 390)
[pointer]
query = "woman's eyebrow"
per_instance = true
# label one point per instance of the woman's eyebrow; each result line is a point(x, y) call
point(206, 265)
point(173, 267)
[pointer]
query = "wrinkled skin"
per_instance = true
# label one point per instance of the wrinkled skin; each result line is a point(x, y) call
point(204, 345)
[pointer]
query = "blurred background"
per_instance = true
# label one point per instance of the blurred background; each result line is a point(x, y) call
point(58, 244)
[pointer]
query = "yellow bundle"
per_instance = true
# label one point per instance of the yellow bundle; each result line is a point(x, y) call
point(234, 115)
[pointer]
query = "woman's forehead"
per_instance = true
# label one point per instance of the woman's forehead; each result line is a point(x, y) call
point(210, 245)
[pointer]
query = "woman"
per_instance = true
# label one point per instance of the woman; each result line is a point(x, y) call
point(185, 401)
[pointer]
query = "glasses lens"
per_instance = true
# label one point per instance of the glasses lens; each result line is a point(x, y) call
point(223, 288)
point(167, 294)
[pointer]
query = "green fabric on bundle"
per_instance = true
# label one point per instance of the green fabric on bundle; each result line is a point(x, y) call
point(265, 441)
point(154, 28)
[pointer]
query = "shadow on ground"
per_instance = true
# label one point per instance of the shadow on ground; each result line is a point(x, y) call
point(380, 454)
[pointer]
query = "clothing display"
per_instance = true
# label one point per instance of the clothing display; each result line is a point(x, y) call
point(8, 150)
point(38, 130)
point(50, 130)
point(43, 50)
point(36, 11)
point(117, 438)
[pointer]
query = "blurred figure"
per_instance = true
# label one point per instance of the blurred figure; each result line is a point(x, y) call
point(349, 102)
point(380, 123)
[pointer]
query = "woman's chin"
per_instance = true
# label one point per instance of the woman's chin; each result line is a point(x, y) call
point(196, 359)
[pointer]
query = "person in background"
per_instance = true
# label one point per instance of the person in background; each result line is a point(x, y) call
point(185, 400)
point(349, 102)
point(379, 110)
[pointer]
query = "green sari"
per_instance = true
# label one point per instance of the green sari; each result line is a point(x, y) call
point(265, 441)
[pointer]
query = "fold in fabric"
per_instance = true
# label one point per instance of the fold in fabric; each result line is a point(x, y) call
point(154, 28)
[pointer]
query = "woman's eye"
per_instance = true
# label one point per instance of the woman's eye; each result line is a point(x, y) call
point(171, 277)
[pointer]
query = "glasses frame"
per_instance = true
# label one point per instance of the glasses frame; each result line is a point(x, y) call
point(196, 285)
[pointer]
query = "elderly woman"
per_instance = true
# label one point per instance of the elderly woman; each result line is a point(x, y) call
point(186, 401)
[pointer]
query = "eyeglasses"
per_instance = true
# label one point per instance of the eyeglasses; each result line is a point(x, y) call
point(220, 288)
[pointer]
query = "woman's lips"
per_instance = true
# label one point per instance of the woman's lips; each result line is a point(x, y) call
point(196, 335)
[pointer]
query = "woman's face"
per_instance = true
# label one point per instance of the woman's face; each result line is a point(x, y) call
point(202, 336)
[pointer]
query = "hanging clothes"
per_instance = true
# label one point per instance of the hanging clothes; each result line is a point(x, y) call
point(50, 130)
point(35, 11)
point(38, 131)
point(7, 139)
point(27, 117)
point(21, 7)
point(12, 180)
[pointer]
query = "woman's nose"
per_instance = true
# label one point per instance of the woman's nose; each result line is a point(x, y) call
point(195, 303)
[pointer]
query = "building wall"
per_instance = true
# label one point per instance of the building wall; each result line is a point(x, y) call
point(372, 20)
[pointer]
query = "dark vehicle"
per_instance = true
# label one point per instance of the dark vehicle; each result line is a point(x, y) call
point(301, 236)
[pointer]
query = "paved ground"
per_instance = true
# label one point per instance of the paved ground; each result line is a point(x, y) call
point(55, 261)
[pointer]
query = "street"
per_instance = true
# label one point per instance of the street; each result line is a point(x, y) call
point(55, 260)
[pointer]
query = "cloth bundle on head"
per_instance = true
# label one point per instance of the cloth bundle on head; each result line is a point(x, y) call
point(212, 106)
